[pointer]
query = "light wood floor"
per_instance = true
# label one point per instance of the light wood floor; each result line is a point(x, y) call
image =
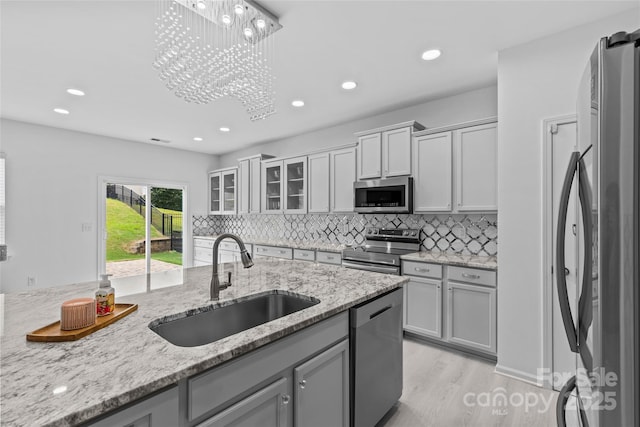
point(449, 389)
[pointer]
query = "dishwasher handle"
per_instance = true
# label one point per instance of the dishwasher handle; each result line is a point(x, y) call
point(373, 309)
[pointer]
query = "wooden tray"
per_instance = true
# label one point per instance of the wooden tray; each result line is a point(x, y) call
point(53, 333)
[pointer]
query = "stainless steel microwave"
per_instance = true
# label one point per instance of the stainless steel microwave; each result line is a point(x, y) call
point(392, 195)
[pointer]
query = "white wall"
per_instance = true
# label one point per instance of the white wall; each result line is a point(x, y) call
point(52, 186)
point(537, 80)
point(467, 106)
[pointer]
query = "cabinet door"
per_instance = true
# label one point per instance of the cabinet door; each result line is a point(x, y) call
point(321, 389)
point(244, 186)
point(271, 178)
point(477, 168)
point(342, 176)
point(295, 185)
point(432, 173)
point(214, 193)
point(267, 407)
point(319, 183)
point(254, 186)
point(228, 179)
point(160, 410)
point(370, 156)
point(423, 307)
point(471, 316)
point(396, 152)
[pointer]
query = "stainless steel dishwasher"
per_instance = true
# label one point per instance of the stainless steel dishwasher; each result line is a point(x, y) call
point(376, 358)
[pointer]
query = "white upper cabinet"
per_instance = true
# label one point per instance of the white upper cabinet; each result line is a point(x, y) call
point(342, 176)
point(477, 168)
point(318, 183)
point(396, 152)
point(386, 152)
point(455, 168)
point(244, 188)
point(271, 184)
point(432, 172)
point(222, 191)
point(370, 156)
point(249, 183)
point(295, 185)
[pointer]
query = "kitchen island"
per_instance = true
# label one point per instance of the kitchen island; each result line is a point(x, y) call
point(67, 383)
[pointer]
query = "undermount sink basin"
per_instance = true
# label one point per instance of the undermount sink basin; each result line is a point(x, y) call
point(211, 323)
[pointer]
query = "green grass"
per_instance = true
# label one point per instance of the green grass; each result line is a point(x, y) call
point(177, 220)
point(124, 225)
point(171, 257)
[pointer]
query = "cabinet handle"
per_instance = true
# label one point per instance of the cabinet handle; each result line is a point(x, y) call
point(286, 399)
point(330, 257)
point(422, 270)
point(302, 383)
point(438, 286)
point(282, 252)
point(470, 276)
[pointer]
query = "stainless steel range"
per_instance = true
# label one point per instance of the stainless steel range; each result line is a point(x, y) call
point(382, 249)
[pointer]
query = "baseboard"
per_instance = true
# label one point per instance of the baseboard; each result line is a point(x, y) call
point(518, 375)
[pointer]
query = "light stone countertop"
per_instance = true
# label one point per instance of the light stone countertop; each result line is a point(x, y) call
point(127, 361)
point(474, 261)
point(317, 246)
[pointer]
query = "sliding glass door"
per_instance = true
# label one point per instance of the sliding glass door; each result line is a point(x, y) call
point(142, 235)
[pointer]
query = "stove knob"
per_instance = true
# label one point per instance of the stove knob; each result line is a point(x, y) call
point(413, 233)
point(405, 233)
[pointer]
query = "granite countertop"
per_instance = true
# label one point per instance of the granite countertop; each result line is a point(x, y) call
point(475, 261)
point(314, 246)
point(127, 361)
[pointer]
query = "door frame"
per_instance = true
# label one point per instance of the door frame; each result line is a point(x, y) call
point(547, 243)
point(102, 216)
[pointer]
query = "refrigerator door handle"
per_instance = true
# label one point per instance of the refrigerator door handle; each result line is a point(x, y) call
point(585, 304)
point(561, 404)
point(561, 280)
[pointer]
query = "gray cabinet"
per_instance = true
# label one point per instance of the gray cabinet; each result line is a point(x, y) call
point(249, 183)
point(464, 315)
point(423, 307)
point(272, 251)
point(318, 183)
point(321, 389)
point(222, 191)
point(342, 176)
point(329, 258)
point(160, 410)
point(267, 407)
point(471, 319)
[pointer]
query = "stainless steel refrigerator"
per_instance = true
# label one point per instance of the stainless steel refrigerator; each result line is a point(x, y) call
point(603, 329)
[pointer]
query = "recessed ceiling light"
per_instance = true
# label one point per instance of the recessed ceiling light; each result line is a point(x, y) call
point(429, 55)
point(76, 92)
point(61, 111)
point(298, 103)
point(224, 129)
point(197, 138)
point(349, 85)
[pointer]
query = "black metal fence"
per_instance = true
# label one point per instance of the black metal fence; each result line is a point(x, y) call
point(170, 225)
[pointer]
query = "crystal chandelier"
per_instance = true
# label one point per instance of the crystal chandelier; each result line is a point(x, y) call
point(207, 49)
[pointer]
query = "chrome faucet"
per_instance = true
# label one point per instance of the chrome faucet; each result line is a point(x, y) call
point(244, 257)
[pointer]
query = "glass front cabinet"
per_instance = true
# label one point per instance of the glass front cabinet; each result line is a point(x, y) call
point(223, 191)
point(284, 186)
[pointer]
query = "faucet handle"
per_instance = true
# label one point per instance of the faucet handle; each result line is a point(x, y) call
point(228, 282)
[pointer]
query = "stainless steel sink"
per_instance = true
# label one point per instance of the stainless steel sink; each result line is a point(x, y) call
point(211, 323)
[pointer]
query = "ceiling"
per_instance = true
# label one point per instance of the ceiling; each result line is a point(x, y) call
point(105, 48)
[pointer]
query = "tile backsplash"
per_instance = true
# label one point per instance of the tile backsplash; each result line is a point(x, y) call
point(450, 233)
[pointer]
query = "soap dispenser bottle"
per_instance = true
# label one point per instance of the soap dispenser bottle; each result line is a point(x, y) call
point(105, 297)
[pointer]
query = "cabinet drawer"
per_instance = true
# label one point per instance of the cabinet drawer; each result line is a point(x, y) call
point(473, 275)
point(229, 245)
point(203, 254)
point(203, 243)
point(329, 258)
point(304, 254)
point(421, 269)
point(273, 251)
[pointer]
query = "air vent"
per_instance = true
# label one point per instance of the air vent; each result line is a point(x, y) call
point(164, 141)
